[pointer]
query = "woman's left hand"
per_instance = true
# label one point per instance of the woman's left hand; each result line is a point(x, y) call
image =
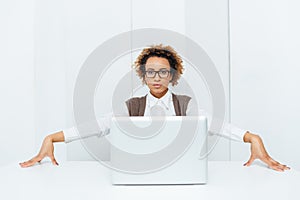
point(258, 151)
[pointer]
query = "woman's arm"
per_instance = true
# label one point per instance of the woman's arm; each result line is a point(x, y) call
point(232, 132)
point(258, 151)
point(47, 149)
point(98, 128)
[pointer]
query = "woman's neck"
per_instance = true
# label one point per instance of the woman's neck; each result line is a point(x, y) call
point(159, 95)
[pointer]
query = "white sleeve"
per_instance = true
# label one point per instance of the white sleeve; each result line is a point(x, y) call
point(229, 131)
point(71, 134)
point(99, 128)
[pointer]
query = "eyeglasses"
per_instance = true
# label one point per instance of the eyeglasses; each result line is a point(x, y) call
point(163, 73)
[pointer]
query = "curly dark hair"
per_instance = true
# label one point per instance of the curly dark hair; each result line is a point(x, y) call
point(167, 52)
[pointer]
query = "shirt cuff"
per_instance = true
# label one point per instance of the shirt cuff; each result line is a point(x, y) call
point(88, 129)
point(71, 134)
point(235, 132)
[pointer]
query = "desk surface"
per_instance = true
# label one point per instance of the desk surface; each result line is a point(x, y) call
point(91, 180)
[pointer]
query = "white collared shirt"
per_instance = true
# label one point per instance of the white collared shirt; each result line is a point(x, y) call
point(154, 106)
point(165, 103)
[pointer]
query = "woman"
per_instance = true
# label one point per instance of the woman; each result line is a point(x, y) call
point(158, 66)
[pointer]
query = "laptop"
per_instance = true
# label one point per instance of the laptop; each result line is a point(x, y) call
point(158, 150)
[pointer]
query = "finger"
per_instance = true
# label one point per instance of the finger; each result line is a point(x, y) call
point(269, 161)
point(23, 164)
point(276, 168)
point(283, 167)
point(273, 161)
point(279, 165)
point(29, 162)
point(53, 160)
point(32, 161)
point(287, 168)
point(249, 162)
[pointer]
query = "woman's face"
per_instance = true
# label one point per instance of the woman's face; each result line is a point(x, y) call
point(158, 76)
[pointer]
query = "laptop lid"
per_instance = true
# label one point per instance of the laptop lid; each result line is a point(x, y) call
point(158, 150)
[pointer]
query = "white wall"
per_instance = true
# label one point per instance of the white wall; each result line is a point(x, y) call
point(207, 24)
point(50, 72)
point(265, 75)
point(180, 16)
point(17, 129)
point(87, 25)
point(42, 53)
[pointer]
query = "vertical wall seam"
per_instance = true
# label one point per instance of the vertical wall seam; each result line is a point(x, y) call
point(229, 72)
point(131, 44)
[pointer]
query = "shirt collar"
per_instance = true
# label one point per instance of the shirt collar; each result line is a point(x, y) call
point(165, 100)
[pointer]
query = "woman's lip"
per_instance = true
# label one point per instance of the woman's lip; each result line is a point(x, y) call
point(157, 85)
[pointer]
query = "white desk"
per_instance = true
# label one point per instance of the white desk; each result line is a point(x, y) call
point(90, 180)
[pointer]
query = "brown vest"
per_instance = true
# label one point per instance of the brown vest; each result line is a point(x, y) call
point(136, 105)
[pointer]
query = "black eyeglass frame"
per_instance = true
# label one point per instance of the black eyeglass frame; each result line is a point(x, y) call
point(159, 73)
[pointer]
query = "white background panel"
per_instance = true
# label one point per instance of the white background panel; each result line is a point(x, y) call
point(265, 75)
point(44, 44)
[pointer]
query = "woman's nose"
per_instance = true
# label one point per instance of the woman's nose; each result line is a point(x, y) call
point(156, 77)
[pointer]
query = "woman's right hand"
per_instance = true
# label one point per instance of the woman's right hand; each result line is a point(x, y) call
point(47, 150)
